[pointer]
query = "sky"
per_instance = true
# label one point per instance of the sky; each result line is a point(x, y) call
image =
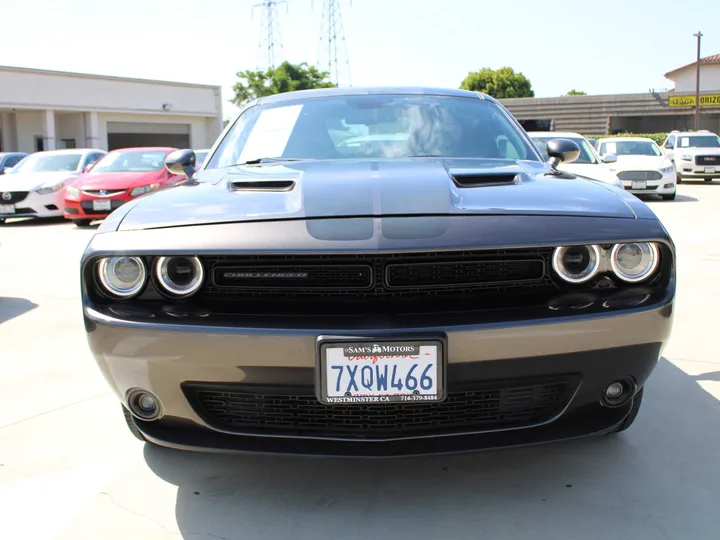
point(603, 47)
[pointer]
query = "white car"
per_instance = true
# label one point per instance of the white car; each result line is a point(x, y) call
point(35, 187)
point(696, 154)
point(641, 166)
point(588, 164)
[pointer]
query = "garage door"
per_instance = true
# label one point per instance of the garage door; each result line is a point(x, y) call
point(131, 134)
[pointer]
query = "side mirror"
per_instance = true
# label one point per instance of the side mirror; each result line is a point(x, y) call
point(562, 151)
point(609, 158)
point(6, 170)
point(181, 162)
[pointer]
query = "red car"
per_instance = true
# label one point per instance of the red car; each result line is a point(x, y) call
point(117, 178)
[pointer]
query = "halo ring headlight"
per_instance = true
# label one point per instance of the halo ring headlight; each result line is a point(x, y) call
point(635, 261)
point(180, 275)
point(576, 264)
point(122, 277)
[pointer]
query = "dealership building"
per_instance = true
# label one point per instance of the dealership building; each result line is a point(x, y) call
point(651, 112)
point(47, 110)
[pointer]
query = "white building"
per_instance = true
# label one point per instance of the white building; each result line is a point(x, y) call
point(684, 77)
point(46, 110)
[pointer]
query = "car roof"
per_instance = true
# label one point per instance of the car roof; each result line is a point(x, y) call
point(608, 139)
point(558, 134)
point(701, 132)
point(146, 149)
point(70, 151)
point(366, 91)
point(13, 153)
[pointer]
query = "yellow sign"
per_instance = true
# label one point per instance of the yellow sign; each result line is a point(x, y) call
point(689, 101)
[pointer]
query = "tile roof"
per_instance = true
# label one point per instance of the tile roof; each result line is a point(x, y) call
point(708, 60)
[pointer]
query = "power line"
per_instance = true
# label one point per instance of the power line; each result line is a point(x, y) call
point(332, 53)
point(270, 37)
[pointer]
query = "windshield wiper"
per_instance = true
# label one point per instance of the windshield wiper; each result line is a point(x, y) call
point(259, 161)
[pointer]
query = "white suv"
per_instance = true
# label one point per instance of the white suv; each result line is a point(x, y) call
point(696, 154)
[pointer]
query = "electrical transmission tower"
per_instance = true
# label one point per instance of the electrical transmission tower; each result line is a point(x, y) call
point(332, 54)
point(270, 37)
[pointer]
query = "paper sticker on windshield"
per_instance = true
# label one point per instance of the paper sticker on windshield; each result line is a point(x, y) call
point(684, 142)
point(271, 132)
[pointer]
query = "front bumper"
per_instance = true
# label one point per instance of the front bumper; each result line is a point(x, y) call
point(589, 350)
point(664, 186)
point(76, 208)
point(688, 169)
point(36, 205)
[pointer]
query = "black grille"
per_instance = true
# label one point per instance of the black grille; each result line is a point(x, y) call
point(378, 277)
point(482, 406)
point(12, 197)
point(708, 160)
point(300, 277)
point(639, 175)
point(87, 206)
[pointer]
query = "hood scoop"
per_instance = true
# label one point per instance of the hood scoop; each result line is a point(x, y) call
point(262, 184)
point(469, 178)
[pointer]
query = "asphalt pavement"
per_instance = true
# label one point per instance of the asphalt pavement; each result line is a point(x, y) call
point(69, 468)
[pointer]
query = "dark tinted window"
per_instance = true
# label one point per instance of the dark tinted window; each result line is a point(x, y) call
point(378, 126)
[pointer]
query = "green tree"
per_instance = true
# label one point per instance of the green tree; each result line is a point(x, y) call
point(574, 92)
point(501, 83)
point(286, 77)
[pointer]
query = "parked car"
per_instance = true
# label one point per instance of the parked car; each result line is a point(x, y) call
point(200, 156)
point(9, 159)
point(588, 164)
point(641, 166)
point(696, 154)
point(446, 297)
point(119, 177)
point(36, 185)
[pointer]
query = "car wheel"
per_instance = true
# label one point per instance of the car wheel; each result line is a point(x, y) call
point(708, 179)
point(133, 428)
point(670, 197)
point(82, 222)
point(2, 220)
point(679, 179)
point(630, 418)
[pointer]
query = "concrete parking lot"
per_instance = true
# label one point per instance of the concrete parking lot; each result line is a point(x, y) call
point(69, 468)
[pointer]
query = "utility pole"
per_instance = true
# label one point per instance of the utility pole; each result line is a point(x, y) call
point(269, 32)
point(332, 36)
point(697, 84)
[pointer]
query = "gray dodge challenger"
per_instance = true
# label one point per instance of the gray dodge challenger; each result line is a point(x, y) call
point(378, 272)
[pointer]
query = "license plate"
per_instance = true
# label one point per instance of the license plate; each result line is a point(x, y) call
point(102, 205)
point(381, 372)
point(639, 185)
point(710, 169)
point(7, 208)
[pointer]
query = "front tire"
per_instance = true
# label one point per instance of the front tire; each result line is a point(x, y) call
point(708, 179)
point(2, 220)
point(630, 418)
point(670, 197)
point(131, 425)
point(82, 222)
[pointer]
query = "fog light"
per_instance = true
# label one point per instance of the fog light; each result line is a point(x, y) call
point(613, 391)
point(144, 405)
point(667, 186)
point(618, 393)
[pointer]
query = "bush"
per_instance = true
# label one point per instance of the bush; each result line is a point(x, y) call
point(659, 138)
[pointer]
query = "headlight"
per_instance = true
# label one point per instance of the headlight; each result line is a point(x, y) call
point(143, 189)
point(686, 157)
point(635, 261)
point(576, 264)
point(179, 276)
point(72, 191)
point(122, 276)
point(667, 169)
point(51, 189)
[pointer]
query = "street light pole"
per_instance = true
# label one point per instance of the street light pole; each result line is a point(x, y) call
point(697, 83)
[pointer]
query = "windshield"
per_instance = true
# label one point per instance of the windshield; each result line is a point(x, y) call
point(630, 148)
point(130, 161)
point(699, 141)
point(586, 154)
point(377, 126)
point(42, 162)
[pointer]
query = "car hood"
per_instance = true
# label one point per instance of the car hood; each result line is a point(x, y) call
point(641, 163)
point(31, 181)
point(393, 187)
point(118, 180)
